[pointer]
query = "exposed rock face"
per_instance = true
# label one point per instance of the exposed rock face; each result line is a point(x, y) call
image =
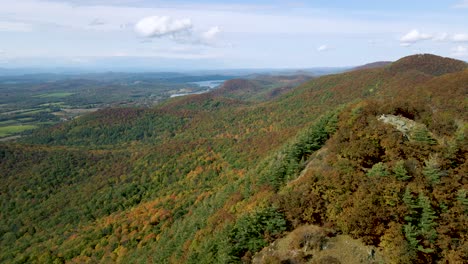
point(411, 129)
point(402, 124)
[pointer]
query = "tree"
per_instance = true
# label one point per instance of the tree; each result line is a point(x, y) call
point(400, 171)
point(379, 169)
point(462, 197)
point(410, 204)
point(421, 134)
point(432, 171)
point(250, 232)
point(426, 222)
point(420, 229)
point(411, 234)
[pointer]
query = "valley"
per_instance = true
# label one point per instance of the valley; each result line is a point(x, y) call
point(31, 101)
point(265, 170)
point(233, 132)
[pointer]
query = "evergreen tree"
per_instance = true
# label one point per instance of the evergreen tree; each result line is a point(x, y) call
point(379, 169)
point(420, 222)
point(463, 197)
point(432, 171)
point(421, 134)
point(400, 171)
point(410, 204)
point(411, 235)
point(426, 222)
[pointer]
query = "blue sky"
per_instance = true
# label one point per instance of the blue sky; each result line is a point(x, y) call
point(172, 35)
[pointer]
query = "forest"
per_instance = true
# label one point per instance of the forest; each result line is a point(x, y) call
point(254, 172)
point(33, 101)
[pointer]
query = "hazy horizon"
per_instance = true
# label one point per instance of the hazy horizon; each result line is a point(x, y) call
point(143, 35)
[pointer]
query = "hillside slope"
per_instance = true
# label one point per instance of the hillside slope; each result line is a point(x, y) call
point(373, 65)
point(208, 179)
point(260, 88)
point(428, 64)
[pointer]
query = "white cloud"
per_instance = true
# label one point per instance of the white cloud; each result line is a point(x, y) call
point(323, 48)
point(61, 25)
point(14, 27)
point(460, 38)
point(461, 4)
point(210, 35)
point(414, 36)
point(460, 51)
point(159, 26)
point(179, 30)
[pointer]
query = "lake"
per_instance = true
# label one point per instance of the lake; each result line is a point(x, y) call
point(210, 84)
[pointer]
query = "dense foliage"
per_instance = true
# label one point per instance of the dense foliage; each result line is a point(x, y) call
point(209, 179)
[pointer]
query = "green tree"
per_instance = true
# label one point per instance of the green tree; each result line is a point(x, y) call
point(411, 204)
point(400, 171)
point(426, 222)
point(432, 171)
point(420, 229)
point(411, 235)
point(462, 197)
point(378, 169)
point(421, 134)
point(250, 231)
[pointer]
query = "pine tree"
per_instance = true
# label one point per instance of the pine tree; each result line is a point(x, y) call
point(400, 171)
point(432, 171)
point(421, 134)
point(420, 222)
point(379, 169)
point(426, 222)
point(462, 196)
point(410, 204)
point(411, 235)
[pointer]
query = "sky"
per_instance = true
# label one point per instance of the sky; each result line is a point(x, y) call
point(207, 34)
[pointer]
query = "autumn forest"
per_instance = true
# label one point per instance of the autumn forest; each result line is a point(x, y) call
point(365, 166)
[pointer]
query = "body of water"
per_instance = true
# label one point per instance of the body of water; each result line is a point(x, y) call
point(212, 84)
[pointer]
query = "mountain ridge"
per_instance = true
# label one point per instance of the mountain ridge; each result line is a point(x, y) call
point(373, 65)
point(209, 179)
point(429, 64)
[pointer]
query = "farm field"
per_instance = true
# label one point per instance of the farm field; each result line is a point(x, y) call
point(31, 101)
point(14, 129)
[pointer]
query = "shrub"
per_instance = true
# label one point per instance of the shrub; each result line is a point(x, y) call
point(379, 169)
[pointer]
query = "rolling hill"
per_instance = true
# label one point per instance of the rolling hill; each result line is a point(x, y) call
point(373, 65)
point(217, 177)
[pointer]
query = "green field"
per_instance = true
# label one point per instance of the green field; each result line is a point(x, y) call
point(54, 95)
point(26, 119)
point(35, 111)
point(11, 130)
point(61, 104)
point(7, 122)
point(43, 100)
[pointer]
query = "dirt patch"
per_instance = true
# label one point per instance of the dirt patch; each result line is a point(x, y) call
point(313, 244)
